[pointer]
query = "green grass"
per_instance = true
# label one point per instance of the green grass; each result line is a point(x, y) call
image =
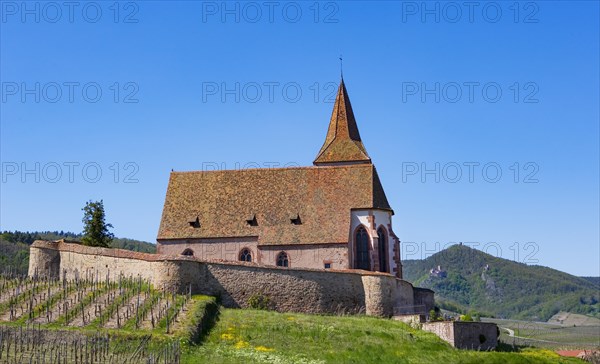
point(47, 304)
point(209, 334)
point(111, 309)
point(144, 310)
point(268, 337)
point(174, 307)
point(22, 297)
point(73, 311)
point(199, 320)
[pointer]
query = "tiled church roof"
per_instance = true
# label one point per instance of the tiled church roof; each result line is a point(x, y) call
point(223, 201)
point(343, 143)
point(266, 203)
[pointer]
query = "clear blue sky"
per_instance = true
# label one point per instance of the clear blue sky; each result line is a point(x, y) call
point(178, 59)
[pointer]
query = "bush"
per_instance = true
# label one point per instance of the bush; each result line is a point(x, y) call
point(466, 317)
point(434, 315)
point(258, 301)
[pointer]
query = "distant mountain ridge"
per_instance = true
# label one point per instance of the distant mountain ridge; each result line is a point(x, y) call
point(469, 280)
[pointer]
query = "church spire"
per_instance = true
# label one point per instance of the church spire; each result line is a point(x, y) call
point(342, 143)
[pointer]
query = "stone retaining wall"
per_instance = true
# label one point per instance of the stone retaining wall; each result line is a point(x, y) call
point(466, 335)
point(289, 289)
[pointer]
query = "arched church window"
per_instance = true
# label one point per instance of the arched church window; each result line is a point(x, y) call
point(188, 252)
point(382, 250)
point(245, 255)
point(361, 242)
point(282, 259)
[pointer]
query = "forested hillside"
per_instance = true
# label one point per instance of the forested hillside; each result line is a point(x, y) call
point(478, 282)
point(594, 280)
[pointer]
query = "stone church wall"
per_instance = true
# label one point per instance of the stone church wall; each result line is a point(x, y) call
point(209, 249)
point(300, 256)
point(373, 220)
point(308, 256)
point(289, 289)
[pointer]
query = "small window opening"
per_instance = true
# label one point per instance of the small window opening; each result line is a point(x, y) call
point(296, 221)
point(253, 221)
point(188, 252)
point(327, 265)
point(195, 223)
point(282, 259)
point(245, 255)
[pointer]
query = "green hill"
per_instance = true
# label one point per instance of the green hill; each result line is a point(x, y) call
point(478, 282)
point(129, 321)
point(253, 336)
point(594, 280)
point(14, 246)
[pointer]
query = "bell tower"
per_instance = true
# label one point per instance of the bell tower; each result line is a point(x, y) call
point(342, 143)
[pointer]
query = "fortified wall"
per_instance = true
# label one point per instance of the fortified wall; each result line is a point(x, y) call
point(466, 335)
point(289, 289)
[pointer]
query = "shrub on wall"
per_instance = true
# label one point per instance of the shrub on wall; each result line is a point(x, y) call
point(466, 317)
point(435, 315)
point(259, 301)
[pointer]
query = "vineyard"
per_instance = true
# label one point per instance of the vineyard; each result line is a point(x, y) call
point(94, 320)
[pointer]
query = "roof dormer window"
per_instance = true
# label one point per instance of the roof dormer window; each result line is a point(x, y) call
point(296, 220)
point(252, 221)
point(194, 222)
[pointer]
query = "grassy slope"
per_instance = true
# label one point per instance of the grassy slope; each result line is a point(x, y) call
point(508, 289)
point(241, 336)
point(251, 336)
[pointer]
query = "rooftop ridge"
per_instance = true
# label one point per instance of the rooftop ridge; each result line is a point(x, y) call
point(325, 166)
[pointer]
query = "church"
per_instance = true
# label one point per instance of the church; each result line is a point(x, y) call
point(314, 239)
point(333, 215)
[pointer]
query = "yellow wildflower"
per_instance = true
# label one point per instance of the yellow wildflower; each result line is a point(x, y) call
point(241, 344)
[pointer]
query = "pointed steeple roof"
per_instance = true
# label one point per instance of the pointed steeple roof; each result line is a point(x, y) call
point(342, 143)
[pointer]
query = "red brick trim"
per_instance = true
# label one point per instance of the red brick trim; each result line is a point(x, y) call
point(374, 253)
point(397, 259)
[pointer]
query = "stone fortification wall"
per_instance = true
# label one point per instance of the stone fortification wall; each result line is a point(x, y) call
point(288, 289)
point(466, 335)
